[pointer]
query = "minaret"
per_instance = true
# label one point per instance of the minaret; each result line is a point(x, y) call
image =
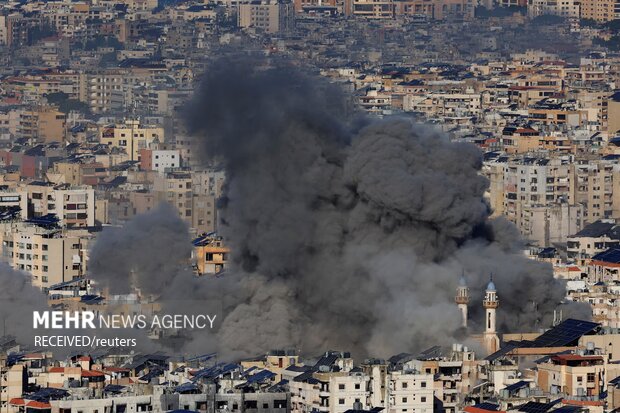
point(490, 304)
point(462, 299)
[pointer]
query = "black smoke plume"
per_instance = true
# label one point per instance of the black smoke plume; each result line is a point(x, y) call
point(348, 232)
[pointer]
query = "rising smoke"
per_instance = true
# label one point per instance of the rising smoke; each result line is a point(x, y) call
point(346, 232)
point(18, 299)
point(350, 233)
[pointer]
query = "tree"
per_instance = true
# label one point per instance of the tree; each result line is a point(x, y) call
point(40, 32)
point(548, 20)
point(483, 12)
point(65, 104)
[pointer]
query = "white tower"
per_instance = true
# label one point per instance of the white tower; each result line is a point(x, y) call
point(462, 299)
point(490, 304)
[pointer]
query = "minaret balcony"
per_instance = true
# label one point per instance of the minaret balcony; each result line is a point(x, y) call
point(459, 299)
point(490, 304)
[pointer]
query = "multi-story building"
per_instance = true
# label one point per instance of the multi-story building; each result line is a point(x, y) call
point(591, 240)
point(43, 124)
point(132, 136)
point(571, 193)
point(600, 10)
point(271, 16)
point(573, 375)
point(175, 188)
point(51, 256)
point(596, 184)
point(563, 8)
point(74, 206)
point(159, 159)
point(383, 9)
point(210, 254)
point(410, 391)
point(333, 386)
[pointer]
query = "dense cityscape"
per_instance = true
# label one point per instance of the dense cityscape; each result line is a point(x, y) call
point(409, 206)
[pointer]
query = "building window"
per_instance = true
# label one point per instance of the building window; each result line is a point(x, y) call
point(340, 386)
point(340, 401)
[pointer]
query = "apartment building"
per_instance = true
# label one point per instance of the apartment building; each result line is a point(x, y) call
point(591, 240)
point(382, 9)
point(106, 91)
point(429, 9)
point(571, 193)
point(73, 205)
point(159, 159)
point(51, 256)
point(573, 375)
point(268, 15)
point(42, 124)
point(563, 8)
point(600, 10)
point(444, 104)
point(596, 184)
point(520, 139)
point(613, 109)
point(332, 385)
point(208, 182)
point(175, 188)
point(13, 382)
point(547, 225)
point(602, 298)
point(12, 198)
point(210, 255)
point(410, 391)
point(132, 136)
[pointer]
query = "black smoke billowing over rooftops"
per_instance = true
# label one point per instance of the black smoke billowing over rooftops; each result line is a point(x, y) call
point(352, 231)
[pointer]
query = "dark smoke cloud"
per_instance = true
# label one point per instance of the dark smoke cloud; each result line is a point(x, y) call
point(147, 253)
point(150, 256)
point(18, 300)
point(346, 232)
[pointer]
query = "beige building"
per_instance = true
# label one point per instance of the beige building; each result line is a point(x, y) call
point(13, 381)
point(43, 124)
point(382, 9)
point(270, 16)
point(613, 114)
point(600, 10)
point(591, 240)
point(210, 255)
point(132, 137)
point(51, 256)
point(563, 8)
point(195, 207)
point(338, 388)
point(545, 225)
point(175, 188)
point(549, 199)
point(73, 205)
point(573, 375)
